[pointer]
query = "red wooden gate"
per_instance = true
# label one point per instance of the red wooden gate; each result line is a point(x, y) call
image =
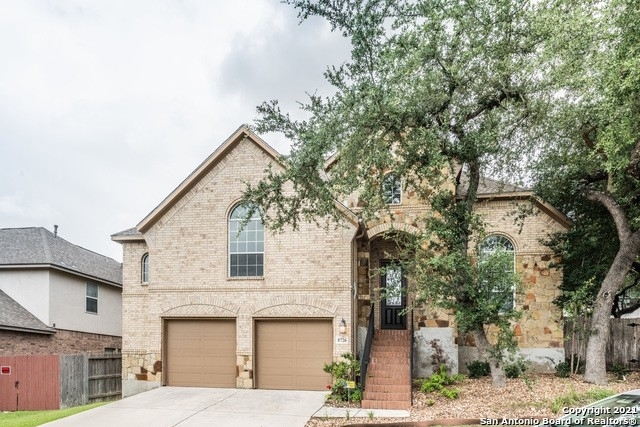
point(29, 383)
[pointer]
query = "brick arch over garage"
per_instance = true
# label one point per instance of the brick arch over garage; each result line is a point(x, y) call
point(291, 306)
point(391, 226)
point(198, 306)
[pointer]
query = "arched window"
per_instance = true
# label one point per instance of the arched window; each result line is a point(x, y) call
point(144, 277)
point(392, 189)
point(246, 242)
point(497, 258)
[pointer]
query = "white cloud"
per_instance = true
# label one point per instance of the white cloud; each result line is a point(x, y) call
point(105, 107)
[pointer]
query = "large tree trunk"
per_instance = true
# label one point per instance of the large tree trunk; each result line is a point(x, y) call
point(498, 376)
point(595, 362)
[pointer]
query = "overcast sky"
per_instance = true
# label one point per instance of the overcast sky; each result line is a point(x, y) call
point(106, 106)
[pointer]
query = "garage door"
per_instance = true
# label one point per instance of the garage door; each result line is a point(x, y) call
point(290, 354)
point(201, 353)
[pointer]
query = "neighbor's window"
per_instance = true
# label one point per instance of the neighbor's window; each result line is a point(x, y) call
point(502, 280)
point(246, 243)
point(145, 268)
point(392, 189)
point(92, 298)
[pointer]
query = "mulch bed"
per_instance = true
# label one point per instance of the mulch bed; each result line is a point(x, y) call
point(521, 398)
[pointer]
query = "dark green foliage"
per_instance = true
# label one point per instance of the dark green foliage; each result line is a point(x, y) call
point(563, 369)
point(620, 371)
point(478, 369)
point(515, 368)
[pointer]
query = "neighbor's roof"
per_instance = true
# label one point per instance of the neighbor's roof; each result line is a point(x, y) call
point(38, 247)
point(15, 317)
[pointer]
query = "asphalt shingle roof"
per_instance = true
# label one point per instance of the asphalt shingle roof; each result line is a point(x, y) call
point(13, 316)
point(487, 186)
point(39, 246)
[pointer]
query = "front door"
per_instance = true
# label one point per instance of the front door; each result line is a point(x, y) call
point(393, 302)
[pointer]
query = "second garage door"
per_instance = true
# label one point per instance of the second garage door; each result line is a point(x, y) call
point(201, 352)
point(291, 354)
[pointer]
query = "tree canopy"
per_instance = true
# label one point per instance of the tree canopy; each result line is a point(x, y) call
point(483, 86)
point(590, 163)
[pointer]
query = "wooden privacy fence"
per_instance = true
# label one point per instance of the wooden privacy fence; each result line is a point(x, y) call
point(58, 381)
point(622, 346)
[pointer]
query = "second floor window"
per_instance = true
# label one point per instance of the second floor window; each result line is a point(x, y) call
point(392, 189)
point(145, 268)
point(246, 243)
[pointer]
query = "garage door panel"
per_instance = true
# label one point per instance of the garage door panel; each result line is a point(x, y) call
point(291, 354)
point(201, 352)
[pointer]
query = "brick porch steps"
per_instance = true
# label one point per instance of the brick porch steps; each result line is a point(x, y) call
point(388, 384)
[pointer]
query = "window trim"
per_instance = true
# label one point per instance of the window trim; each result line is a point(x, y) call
point(255, 217)
point(511, 250)
point(91, 297)
point(144, 269)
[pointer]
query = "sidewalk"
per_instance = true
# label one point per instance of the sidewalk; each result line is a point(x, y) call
point(333, 412)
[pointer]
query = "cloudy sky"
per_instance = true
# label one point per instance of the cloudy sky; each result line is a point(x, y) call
point(106, 106)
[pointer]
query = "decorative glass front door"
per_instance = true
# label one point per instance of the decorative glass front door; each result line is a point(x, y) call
point(393, 287)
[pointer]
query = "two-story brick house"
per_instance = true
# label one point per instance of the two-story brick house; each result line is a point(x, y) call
point(208, 302)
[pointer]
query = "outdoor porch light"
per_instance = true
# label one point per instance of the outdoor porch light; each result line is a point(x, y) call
point(342, 328)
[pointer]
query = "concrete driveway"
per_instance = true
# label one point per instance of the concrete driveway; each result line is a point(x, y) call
point(190, 406)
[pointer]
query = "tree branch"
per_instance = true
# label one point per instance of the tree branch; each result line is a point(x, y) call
point(634, 162)
point(494, 102)
point(617, 212)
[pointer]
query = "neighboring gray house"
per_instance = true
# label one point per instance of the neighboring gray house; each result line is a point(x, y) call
point(56, 297)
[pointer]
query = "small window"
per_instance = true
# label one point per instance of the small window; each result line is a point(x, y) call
point(92, 298)
point(392, 189)
point(145, 268)
point(501, 281)
point(246, 243)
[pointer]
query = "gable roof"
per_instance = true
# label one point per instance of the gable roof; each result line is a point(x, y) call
point(15, 317)
point(490, 189)
point(241, 133)
point(37, 247)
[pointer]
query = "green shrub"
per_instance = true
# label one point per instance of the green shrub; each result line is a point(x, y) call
point(451, 393)
point(620, 371)
point(563, 369)
point(439, 381)
point(478, 369)
point(515, 368)
point(342, 371)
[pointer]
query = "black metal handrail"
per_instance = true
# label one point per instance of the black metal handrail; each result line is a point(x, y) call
point(411, 357)
point(366, 353)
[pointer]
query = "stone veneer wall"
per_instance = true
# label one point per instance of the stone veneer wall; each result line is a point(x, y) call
point(539, 331)
point(14, 343)
point(307, 274)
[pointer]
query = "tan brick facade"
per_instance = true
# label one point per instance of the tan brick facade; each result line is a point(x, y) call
point(308, 273)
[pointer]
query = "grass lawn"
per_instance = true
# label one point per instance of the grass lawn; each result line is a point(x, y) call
point(36, 418)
